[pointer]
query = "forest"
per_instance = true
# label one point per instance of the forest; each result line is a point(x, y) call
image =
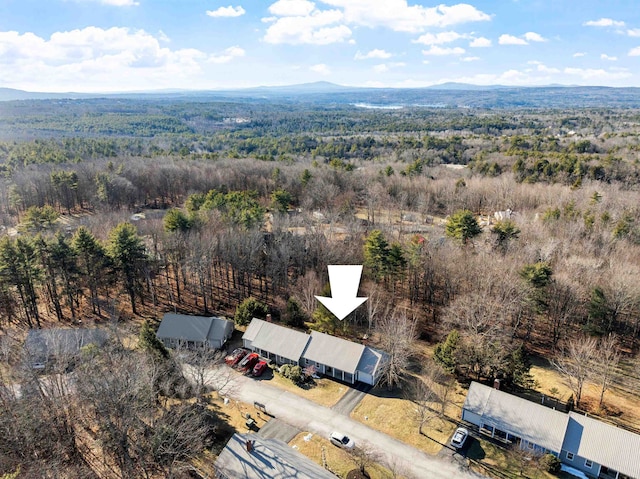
point(496, 235)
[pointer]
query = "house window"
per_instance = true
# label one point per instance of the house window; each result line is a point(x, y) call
point(588, 463)
point(530, 445)
point(570, 456)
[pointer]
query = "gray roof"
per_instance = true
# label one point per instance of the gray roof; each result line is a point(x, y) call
point(603, 443)
point(270, 459)
point(335, 352)
point(277, 339)
point(41, 344)
point(371, 360)
point(192, 328)
point(531, 421)
point(253, 329)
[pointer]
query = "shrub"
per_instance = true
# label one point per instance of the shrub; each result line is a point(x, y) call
point(248, 309)
point(295, 374)
point(550, 463)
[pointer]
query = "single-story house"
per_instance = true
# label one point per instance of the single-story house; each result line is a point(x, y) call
point(331, 356)
point(194, 331)
point(249, 456)
point(281, 344)
point(44, 345)
point(601, 449)
point(594, 447)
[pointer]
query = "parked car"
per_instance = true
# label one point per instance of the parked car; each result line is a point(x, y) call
point(260, 368)
point(236, 356)
point(342, 441)
point(248, 362)
point(459, 437)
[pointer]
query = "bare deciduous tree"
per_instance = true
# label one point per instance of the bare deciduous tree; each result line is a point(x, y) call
point(576, 363)
point(397, 333)
point(608, 358)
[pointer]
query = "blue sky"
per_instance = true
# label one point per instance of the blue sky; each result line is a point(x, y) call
point(127, 45)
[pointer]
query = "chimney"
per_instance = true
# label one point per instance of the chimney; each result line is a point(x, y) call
point(496, 384)
point(249, 445)
point(268, 317)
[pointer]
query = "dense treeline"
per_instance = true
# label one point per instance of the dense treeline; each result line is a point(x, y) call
point(255, 201)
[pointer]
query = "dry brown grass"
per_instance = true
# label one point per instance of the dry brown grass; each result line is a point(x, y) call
point(396, 417)
point(338, 460)
point(325, 392)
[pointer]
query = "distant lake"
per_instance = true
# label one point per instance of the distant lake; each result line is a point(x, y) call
point(373, 106)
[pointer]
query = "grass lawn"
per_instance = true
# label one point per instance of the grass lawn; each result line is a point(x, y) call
point(508, 462)
point(338, 460)
point(396, 417)
point(325, 392)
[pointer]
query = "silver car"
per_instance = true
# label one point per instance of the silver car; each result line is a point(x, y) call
point(459, 437)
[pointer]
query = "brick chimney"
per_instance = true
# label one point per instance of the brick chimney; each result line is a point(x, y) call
point(249, 445)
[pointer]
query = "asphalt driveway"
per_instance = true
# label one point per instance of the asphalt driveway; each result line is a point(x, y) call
point(306, 415)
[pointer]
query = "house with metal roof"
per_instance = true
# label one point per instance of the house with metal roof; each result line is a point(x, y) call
point(249, 456)
point(514, 419)
point(601, 449)
point(194, 331)
point(330, 355)
point(283, 345)
point(594, 447)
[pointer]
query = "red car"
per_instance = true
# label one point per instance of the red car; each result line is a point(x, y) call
point(248, 362)
point(259, 368)
point(236, 356)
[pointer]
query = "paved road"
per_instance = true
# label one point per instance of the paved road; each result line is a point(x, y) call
point(306, 415)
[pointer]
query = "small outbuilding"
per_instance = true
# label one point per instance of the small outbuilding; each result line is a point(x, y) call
point(194, 331)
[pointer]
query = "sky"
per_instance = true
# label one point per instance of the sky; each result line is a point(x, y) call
point(136, 45)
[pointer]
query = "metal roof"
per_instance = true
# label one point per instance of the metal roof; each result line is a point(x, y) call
point(528, 420)
point(192, 328)
point(335, 352)
point(371, 360)
point(604, 444)
point(276, 339)
point(253, 329)
point(270, 458)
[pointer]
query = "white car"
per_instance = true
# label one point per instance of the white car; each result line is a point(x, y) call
point(459, 437)
point(340, 440)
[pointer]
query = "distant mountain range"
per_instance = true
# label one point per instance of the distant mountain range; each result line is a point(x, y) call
point(454, 95)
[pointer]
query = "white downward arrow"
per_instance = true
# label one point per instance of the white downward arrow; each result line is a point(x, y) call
point(344, 281)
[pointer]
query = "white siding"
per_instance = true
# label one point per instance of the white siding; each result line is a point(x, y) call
point(471, 417)
point(364, 377)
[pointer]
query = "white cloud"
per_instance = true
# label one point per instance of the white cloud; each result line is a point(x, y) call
point(228, 55)
point(292, 8)
point(396, 15)
point(604, 56)
point(92, 59)
point(375, 53)
point(591, 74)
point(534, 37)
point(470, 59)
point(633, 32)
point(480, 42)
point(321, 68)
point(440, 51)
point(319, 28)
point(229, 11)
point(439, 38)
point(506, 39)
point(634, 52)
point(604, 22)
point(579, 54)
point(541, 67)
